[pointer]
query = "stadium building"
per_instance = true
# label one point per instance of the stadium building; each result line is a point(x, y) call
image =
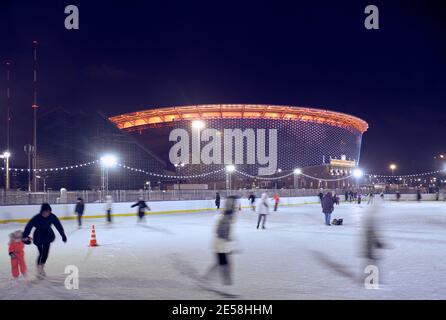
point(323, 143)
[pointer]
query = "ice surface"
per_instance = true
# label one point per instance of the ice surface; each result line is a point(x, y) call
point(296, 257)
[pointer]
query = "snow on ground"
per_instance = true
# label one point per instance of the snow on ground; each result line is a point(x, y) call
point(296, 257)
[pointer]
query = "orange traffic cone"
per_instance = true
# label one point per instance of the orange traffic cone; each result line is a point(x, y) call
point(93, 242)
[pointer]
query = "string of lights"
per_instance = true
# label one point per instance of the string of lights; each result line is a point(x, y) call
point(69, 167)
point(170, 176)
point(371, 175)
point(263, 178)
point(290, 174)
point(81, 165)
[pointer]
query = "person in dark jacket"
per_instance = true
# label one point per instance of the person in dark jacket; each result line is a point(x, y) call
point(217, 200)
point(320, 195)
point(327, 207)
point(43, 235)
point(252, 201)
point(142, 206)
point(418, 195)
point(79, 210)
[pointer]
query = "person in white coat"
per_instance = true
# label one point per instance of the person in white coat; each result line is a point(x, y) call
point(262, 210)
point(223, 242)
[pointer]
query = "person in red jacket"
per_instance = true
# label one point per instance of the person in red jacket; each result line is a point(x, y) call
point(17, 254)
point(276, 201)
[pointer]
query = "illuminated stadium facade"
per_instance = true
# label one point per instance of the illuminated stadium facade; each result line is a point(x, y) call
point(306, 137)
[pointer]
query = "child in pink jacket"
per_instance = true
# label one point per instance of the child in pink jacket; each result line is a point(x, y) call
point(17, 254)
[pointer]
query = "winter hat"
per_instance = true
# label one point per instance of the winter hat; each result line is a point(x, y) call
point(45, 207)
point(16, 234)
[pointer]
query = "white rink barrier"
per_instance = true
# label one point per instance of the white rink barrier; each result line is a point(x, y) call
point(22, 213)
point(413, 197)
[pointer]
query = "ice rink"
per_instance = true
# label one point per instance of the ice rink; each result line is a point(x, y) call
point(296, 257)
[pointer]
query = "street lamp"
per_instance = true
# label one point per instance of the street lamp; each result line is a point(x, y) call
point(44, 182)
point(358, 174)
point(107, 162)
point(230, 168)
point(6, 155)
point(392, 167)
point(178, 166)
point(296, 172)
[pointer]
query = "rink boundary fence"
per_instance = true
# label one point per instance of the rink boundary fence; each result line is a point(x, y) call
point(102, 216)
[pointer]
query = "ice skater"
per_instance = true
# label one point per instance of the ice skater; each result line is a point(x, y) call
point(252, 201)
point(372, 240)
point(336, 199)
point(371, 198)
point(108, 207)
point(223, 243)
point(16, 250)
point(327, 207)
point(142, 206)
point(262, 210)
point(43, 235)
point(276, 201)
point(217, 200)
point(79, 210)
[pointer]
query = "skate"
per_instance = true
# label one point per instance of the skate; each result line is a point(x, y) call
point(40, 273)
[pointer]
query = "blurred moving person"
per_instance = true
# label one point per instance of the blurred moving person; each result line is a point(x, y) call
point(79, 210)
point(217, 200)
point(252, 201)
point(276, 201)
point(336, 199)
point(372, 241)
point(142, 206)
point(109, 207)
point(418, 195)
point(223, 243)
point(262, 210)
point(371, 198)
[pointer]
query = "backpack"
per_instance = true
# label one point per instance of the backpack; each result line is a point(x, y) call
point(337, 222)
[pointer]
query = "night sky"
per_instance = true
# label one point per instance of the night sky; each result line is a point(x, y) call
point(133, 55)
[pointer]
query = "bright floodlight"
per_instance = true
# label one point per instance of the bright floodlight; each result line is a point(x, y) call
point(6, 154)
point(230, 168)
point(198, 124)
point(357, 173)
point(109, 161)
point(392, 166)
point(297, 171)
